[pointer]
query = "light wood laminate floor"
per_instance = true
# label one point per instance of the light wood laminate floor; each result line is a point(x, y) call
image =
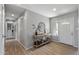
point(53, 48)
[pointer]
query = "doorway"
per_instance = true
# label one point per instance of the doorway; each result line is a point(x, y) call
point(13, 14)
point(10, 30)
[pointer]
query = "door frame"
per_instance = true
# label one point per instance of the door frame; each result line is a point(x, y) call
point(2, 29)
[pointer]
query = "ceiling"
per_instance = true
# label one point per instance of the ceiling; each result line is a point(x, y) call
point(47, 9)
point(12, 9)
point(42, 9)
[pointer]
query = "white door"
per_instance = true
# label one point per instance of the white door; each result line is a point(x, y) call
point(1, 30)
point(66, 30)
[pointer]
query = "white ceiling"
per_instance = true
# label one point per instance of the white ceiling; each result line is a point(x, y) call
point(42, 9)
point(12, 9)
point(47, 9)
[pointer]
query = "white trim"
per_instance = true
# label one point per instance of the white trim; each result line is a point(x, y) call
point(22, 45)
point(29, 48)
point(75, 46)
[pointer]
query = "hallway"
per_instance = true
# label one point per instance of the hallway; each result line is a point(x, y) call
point(53, 48)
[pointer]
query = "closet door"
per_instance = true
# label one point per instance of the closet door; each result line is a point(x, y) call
point(66, 30)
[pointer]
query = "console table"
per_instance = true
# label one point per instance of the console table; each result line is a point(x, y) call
point(41, 39)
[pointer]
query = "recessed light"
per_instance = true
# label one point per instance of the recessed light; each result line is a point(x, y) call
point(54, 9)
point(12, 14)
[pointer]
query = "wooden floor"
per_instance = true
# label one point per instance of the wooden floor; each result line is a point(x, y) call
point(53, 48)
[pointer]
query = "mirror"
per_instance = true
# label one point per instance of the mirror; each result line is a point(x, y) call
point(41, 28)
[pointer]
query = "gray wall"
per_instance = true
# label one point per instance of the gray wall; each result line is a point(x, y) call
point(78, 29)
point(26, 29)
point(34, 18)
point(75, 15)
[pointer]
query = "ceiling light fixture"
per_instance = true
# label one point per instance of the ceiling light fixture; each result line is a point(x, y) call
point(12, 14)
point(54, 9)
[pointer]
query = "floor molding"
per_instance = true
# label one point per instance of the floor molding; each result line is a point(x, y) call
point(19, 43)
point(22, 45)
point(65, 44)
point(29, 48)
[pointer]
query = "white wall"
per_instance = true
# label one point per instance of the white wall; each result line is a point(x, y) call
point(75, 15)
point(20, 30)
point(78, 29)
point(1, 30)
point(26, 29)
point(53, 29)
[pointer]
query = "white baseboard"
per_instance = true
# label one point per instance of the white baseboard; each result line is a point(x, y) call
point(75, 46)
point(64, 43)
point(29, 48)
point(24, 46)
point(20, 43)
